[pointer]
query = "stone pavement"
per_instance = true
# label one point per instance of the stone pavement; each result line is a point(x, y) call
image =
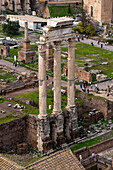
point(19, 69)
point(88, 41)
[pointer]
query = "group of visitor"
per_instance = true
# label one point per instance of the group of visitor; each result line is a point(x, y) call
point(3, 92)
point(83, 86)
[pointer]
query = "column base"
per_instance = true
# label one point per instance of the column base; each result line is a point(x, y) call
point(44, 143)
point(59, 121)
point(72, 113)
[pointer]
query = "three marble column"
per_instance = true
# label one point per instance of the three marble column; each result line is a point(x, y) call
point(57, 77)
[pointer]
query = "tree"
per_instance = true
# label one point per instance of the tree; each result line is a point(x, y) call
point(10, 27)
point(90, 29)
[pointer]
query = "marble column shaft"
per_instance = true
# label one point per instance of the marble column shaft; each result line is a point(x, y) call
point(42, 79)
point(71, 73)
point(57, 77)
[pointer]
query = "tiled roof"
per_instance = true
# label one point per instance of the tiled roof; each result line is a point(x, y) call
point(63, 160)
point(6, 164)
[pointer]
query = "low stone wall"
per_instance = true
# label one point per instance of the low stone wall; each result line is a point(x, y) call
point(99, 103)
point(86, 152)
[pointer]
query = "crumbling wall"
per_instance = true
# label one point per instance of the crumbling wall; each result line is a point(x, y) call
point(103, 105)
point(79, 73)
point(31, 130)
point(12, 133)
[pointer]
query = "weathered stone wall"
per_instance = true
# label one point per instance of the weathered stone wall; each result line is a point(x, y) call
point(79, 73)
point(102, 9)
point(83, 75)
point(103, 105)
point(4, 51)
point(86, 152)
point(31, 130)
point(12, 133)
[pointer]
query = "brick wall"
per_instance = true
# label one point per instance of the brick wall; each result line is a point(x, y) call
point(79, 73)
point(18, 131)
point(12, 133)
point(104, 106)
point(31, 130)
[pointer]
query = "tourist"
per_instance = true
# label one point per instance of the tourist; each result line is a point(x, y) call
point(83, 89)
point(108, 96)
point(17, 64)
point(13, 63)
point(98, 42)
point(95, 86)
point(81, 85)
point(87, 37)
point(4, 92)
point(80, 157)
point(105, 43)
point(93, 155)
point(47, 77)
point(101, 45)
point(92, 44)
point(1, 93)
point(87, 90)
point(78, 38)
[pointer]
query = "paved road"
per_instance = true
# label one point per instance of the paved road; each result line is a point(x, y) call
point(88, 41)
point(19, 69)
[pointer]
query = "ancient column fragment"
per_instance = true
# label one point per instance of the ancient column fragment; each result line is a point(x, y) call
point(57, 77)
point(71, 73)
point(26, 31)
point(42, 79)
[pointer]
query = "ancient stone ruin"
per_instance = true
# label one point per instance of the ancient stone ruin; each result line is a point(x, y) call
point(59, 127)
point(26, 54)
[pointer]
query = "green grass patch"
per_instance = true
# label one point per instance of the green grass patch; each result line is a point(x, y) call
point(93, 141)
point(8, 76)
point(50, 101)
point(61, 11)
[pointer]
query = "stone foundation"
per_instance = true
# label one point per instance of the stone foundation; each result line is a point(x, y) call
point(43, 134)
